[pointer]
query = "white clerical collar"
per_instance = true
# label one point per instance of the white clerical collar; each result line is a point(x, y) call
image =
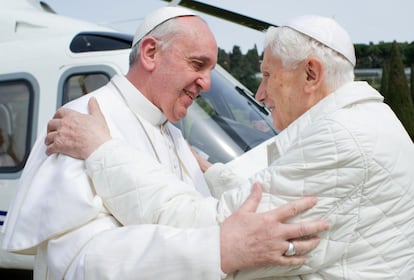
point(137, 102)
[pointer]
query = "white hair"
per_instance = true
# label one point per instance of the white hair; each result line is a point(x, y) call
point(293, 47)
point(165, 33)
point(162, 32)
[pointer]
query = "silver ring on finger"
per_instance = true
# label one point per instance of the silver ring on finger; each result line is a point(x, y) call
point(291, 250)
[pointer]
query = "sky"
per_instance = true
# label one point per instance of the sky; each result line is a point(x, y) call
point(365, 20)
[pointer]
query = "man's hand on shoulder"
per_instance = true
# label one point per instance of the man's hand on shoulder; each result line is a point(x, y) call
point(253, 240)
point(76, 134)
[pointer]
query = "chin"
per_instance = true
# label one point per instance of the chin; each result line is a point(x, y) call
point(176, 118)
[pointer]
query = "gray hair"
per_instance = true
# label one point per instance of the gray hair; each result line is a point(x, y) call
point(293, 47)
point(165, 33)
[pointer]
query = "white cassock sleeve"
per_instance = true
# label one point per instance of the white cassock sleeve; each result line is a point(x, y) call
point(159, 197)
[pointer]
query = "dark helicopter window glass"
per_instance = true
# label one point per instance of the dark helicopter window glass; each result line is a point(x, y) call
point(15, 117)
point(80, 84)
point(104, 41)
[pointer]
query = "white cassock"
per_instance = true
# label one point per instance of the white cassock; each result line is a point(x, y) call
point(57, 215)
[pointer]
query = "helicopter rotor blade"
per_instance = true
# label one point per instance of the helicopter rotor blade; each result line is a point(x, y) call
point(223, 14)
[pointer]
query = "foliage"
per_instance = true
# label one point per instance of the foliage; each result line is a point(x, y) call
point(396, 90)
point(385, 79)
point(243, 67)
point(373, 56)
point(412, 81)
point(224, 59)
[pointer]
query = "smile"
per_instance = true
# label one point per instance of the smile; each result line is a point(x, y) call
point(189, 94)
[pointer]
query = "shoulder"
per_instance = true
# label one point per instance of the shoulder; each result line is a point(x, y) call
point(81, 104)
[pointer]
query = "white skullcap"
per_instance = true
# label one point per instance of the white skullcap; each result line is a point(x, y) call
point(157, 17)
point(327, 31)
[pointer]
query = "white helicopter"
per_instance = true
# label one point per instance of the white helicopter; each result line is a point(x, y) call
point(47, 60)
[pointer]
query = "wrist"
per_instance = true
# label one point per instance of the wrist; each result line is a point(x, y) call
point(227, 265)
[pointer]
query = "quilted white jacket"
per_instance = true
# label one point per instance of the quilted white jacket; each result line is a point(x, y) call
point(349, 150)
point(352, 152)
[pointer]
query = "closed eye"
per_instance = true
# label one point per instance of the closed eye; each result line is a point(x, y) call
point(200, 63)
point(197, 64)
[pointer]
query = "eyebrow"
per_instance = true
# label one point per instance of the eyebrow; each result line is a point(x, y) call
point(202, 57)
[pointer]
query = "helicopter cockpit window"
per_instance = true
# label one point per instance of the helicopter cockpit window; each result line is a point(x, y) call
point(15, 115)
point(82, 83)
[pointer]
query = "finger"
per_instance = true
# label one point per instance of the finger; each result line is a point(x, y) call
point(53, 125)
point(61, 112)
point(303, 246)
point(305, 229)
point(292, 260)
point(49, 149)
point(294, 208)
point(253, 200)
point(51, 145)
point(94, 108)
point(49, 139)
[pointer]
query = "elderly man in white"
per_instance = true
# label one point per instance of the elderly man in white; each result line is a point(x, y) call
point(338, 141)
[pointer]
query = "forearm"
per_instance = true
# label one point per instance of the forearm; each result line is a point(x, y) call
point(220, 179)
point(137, 189)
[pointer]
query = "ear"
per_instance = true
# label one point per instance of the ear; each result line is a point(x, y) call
point(149, 49)
point(314, 73)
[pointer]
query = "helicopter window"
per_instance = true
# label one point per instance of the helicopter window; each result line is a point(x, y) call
point(104, 41)
point(80, 84)
point(15, 116)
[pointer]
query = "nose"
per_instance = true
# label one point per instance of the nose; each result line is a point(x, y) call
point(204, 81)
point(261, 93)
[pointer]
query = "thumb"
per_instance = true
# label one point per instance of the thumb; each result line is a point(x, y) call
point(253, 200)
point(94, 108)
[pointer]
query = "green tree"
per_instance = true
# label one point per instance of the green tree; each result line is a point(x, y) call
point(397, 94)
point(253, 64)
point(409, 54)
point(243, 69)
point(385, 79)
point(253, 59)
point(412, 81)
point(362, 52)
point(237, 63)
point(223, 59)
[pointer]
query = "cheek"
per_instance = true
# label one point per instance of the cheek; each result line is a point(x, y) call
point(282, 89)
point(180, 103)
point(275, 91)
point(282, 100)
point(177, 111)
